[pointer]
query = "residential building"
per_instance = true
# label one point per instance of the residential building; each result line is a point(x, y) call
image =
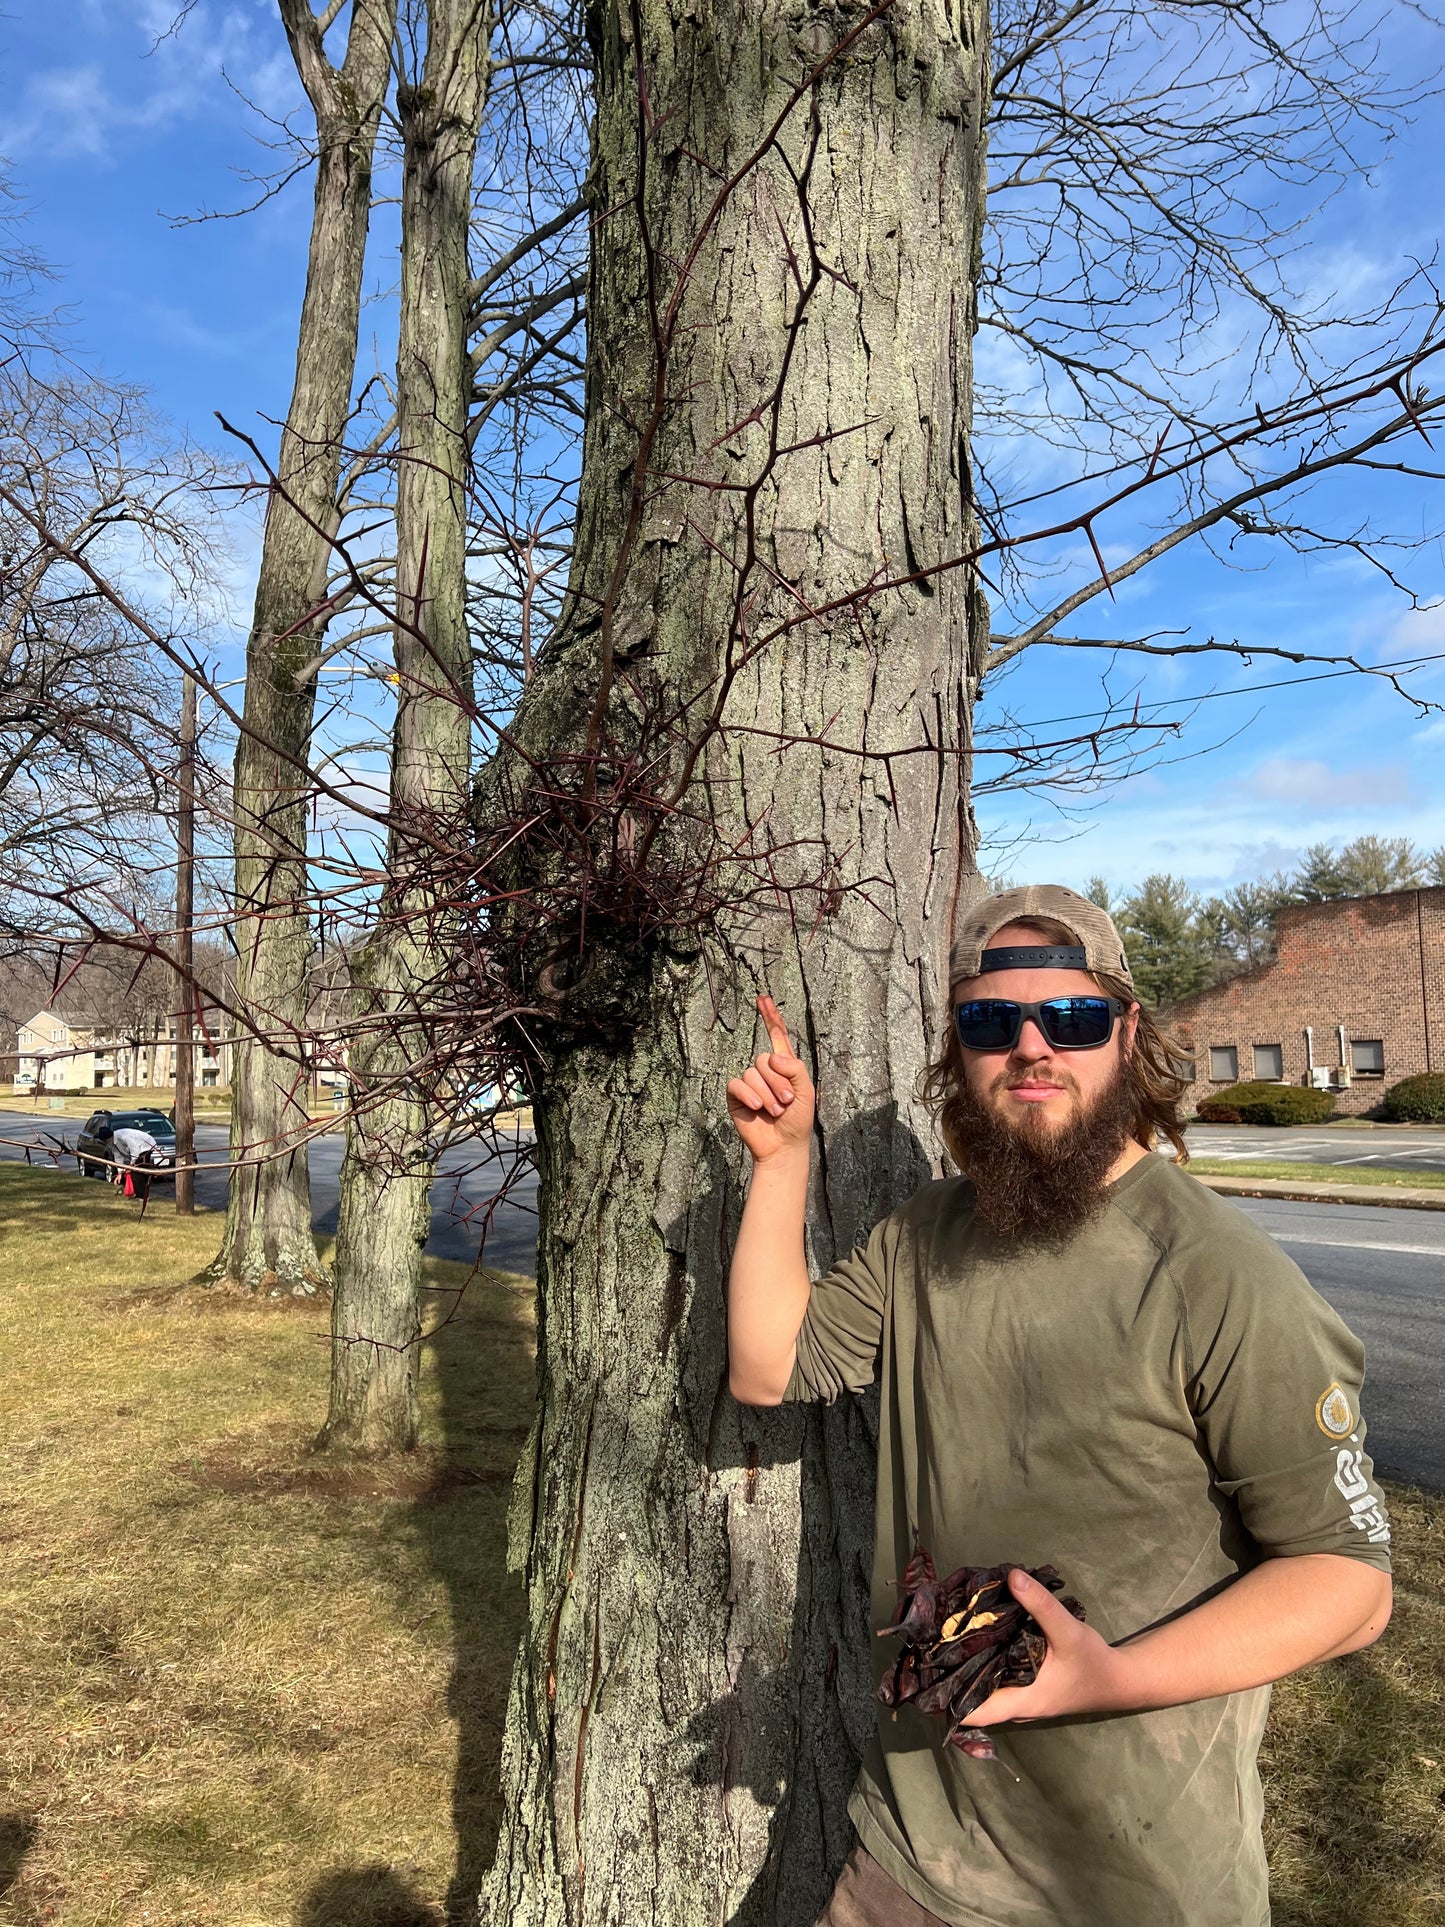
point(1353, 1001)
point(57, 1052)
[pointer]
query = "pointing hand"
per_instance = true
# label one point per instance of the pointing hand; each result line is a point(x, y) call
point(771, 1104)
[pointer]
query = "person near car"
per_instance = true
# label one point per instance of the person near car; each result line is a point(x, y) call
point(132, 1149)
point(1088, 1360)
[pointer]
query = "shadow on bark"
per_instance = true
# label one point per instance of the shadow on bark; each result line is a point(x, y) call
point(792, 1728)
point(813, 1704)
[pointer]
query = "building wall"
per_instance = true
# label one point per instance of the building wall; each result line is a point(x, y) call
point(54, 1055)
point(1372, 965)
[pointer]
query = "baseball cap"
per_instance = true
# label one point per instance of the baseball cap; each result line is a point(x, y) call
point(1099, 940)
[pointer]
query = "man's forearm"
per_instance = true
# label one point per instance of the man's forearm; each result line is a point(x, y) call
point(768, 1282)
point(1284, 1614)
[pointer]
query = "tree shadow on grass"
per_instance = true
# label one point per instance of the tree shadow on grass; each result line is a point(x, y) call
point(365, 1897)
point(486, 1378)
point(17, 1837)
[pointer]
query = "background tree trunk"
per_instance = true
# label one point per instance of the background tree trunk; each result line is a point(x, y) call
point(267, 1242)
point(388, 1164)
point(691, 1701)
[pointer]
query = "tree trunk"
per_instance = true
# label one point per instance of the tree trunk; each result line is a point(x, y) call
point(692, 1697)
point(387, 1169)
point(267, 1242)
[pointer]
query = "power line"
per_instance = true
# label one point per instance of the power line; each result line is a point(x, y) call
point(1253, 689)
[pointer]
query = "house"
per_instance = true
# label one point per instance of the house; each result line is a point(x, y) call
point(60, 1052)
point(1353, 1001)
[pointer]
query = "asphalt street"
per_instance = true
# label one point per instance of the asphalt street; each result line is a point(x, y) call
point(1407, 1148)
point(1384, 1271)
point(461, 1197)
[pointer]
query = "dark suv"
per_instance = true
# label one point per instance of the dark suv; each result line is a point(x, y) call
point(95, 1154)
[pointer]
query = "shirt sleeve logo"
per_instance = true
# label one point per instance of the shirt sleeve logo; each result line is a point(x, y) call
point(1332, 1414)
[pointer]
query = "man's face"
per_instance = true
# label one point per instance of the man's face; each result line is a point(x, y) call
point(1035, 1090)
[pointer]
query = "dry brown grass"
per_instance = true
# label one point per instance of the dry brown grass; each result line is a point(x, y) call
point(244, 1686)
point(241, 1686)
point(1354, 1759)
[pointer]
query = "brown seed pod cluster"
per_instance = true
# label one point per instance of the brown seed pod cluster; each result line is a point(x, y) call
point(962, 1637)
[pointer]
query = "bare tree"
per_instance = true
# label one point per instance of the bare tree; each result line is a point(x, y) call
point(89, 480)
point(267, 1241)
point(385, 1208)
point(767, 667)
point(745, 752)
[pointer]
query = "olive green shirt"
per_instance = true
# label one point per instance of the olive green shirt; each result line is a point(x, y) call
point(1152, 1407)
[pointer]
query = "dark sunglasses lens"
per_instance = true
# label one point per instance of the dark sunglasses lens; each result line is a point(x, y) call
point(987, 1024)
point(1076, 1023)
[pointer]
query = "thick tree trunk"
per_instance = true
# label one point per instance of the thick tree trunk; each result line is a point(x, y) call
point(388, 1164)
point(691, 1700)
point(267, 1242)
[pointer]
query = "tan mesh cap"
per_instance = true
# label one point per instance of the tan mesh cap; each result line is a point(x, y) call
point(1094, 928)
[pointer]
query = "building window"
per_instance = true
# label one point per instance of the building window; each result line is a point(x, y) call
point(26, 1039)
point(1224, 1063)
point(57, 1037)
point(1268, 1063)
point(1367, 1057)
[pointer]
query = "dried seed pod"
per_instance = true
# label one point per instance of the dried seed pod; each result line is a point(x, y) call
point(963, 1637)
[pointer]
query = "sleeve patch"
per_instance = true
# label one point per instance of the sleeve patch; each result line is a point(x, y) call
point(1332, 1413)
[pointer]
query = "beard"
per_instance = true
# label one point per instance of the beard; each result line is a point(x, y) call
point(1036, 1182)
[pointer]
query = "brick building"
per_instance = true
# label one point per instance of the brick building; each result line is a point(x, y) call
point(1353, 1001)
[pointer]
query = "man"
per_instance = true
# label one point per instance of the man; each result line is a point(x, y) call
point(135, 1151)
point(1090, 1360)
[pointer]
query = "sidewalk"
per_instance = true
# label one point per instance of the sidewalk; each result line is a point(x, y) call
point(1307, 1192)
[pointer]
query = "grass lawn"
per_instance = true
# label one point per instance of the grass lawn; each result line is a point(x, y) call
point(1296, 1171)
point(245, 1687)
point(240, 1685)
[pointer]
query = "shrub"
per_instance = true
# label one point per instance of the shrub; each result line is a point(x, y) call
point(1268, 1104)
point(1416, 1100)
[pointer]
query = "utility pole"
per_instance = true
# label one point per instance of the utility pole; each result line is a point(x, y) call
point(185, 917)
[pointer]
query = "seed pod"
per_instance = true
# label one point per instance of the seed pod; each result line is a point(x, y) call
point(962, 1638)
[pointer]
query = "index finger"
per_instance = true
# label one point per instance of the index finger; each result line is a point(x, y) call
point(777, 1029)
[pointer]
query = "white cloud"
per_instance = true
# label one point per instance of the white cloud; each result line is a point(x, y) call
point(1304, 784)
point(156, 80)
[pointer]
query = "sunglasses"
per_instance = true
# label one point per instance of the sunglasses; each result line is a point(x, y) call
point(1069, 1023)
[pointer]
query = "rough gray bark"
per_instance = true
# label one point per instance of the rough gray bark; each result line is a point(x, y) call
point(387, 1168)
point(267, 1242)
point(691, 1700)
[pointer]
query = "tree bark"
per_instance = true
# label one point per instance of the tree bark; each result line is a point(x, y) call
point(692, 1696)
point(267, 1244)
point(388, 1164)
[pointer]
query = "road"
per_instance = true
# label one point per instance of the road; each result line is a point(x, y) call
point(1408, 1148)
point(1384, 1271)
point(460, 1196)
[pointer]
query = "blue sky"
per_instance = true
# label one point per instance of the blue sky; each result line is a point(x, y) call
point(112, 129)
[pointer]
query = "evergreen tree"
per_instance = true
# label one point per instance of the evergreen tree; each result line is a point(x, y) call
point(1320, 876)
point(1168, 944)
point(1374, 864)
point(1240, 925)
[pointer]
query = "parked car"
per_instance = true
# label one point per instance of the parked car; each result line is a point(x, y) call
point(95, 1154)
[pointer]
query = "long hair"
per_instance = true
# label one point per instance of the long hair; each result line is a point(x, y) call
point(1153, 1070)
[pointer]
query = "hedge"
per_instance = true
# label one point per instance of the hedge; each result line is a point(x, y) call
point(1268, 1104)
point(1416, 1100)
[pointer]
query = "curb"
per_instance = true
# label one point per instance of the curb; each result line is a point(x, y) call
point(1401, 1200)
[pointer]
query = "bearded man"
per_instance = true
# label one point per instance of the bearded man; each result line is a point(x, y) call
point(1088, 1360)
